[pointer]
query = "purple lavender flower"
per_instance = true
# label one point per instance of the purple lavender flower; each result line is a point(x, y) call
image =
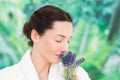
point(70, 63)
point(68, 59)
point(79, 61)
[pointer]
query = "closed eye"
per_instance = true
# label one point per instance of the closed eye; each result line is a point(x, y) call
point(59, 41)
point(68, 41)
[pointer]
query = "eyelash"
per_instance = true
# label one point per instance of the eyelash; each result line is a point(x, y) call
point(59, 41)
point(68, 41)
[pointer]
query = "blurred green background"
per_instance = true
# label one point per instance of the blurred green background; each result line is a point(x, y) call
point(96, 34)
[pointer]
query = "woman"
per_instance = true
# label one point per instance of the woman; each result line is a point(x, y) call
point(49, 31)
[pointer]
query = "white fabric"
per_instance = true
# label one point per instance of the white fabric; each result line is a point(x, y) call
point(25, 70)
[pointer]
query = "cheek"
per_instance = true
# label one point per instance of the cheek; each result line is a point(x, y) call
point(52, 47)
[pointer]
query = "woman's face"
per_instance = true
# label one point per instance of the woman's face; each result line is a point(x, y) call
point(55, 41)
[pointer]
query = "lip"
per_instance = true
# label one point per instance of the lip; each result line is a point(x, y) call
point(58, 55)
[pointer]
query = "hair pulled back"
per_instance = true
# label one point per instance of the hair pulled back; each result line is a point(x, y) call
point(43, 19)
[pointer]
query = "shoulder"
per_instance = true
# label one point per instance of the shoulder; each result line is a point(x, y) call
point(82, 74)
point(10, 73)
point(17, 71)
point(8, 70)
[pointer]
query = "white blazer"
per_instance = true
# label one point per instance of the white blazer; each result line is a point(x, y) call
point(25, 70)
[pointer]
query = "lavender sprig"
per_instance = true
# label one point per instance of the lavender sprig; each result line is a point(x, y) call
point(68, 59)
point(70, 64)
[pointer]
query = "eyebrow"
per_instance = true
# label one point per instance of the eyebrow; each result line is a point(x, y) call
point(63, 35)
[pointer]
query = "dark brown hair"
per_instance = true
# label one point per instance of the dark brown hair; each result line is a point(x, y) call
point(43, 19)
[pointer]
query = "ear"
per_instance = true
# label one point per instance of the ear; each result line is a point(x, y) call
point(34, 35)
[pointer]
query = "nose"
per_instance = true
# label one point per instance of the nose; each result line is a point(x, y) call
point(65, 47)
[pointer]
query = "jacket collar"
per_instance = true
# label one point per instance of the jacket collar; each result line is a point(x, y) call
point(30, 73)
point(27, 67)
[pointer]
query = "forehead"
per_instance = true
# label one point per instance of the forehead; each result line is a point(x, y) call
point(61, 27)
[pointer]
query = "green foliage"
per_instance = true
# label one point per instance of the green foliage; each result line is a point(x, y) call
point(78, 31)
point(11, 39)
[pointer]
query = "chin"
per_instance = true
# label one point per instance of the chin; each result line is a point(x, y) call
point(56, 62)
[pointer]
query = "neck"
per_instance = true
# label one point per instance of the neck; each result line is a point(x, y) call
point(42, 66)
